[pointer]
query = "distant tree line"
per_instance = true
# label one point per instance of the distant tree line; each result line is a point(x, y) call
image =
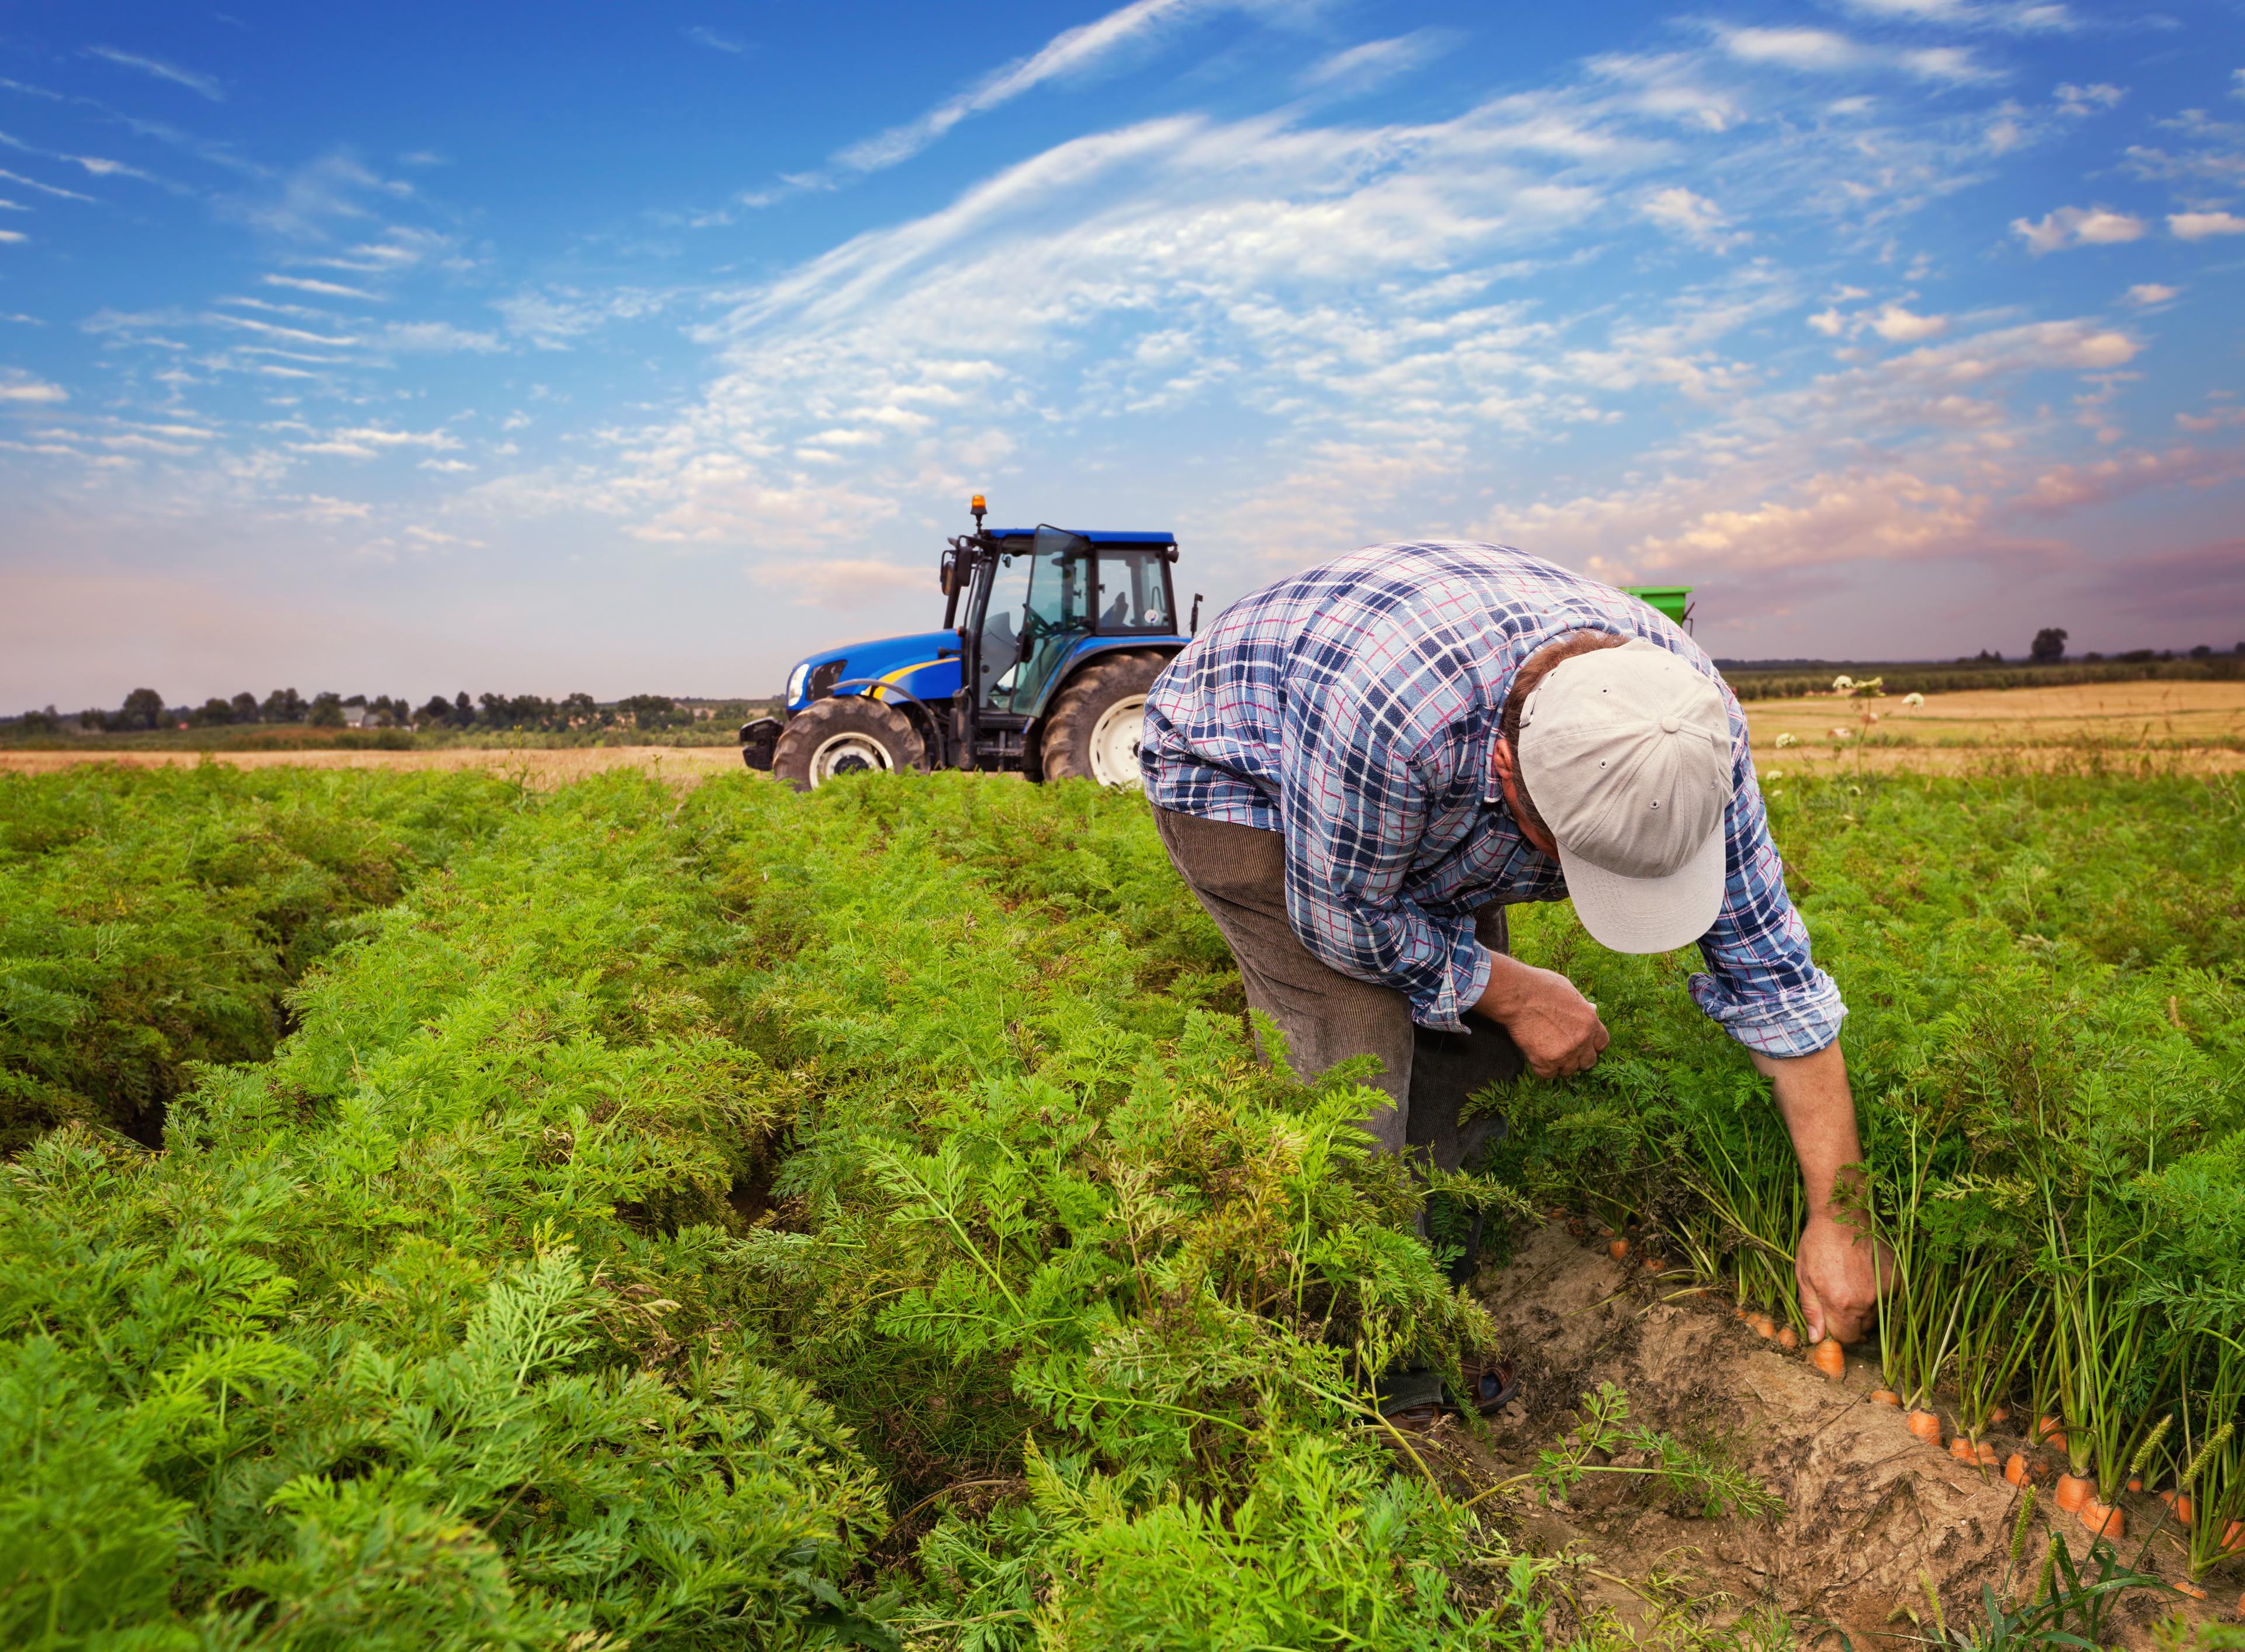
point(145, 708)
point(2048, 648)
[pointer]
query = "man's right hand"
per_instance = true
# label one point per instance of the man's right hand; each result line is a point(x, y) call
point(1556, 1028)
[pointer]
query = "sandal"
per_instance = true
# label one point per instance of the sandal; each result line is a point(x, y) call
point(1494, 1384)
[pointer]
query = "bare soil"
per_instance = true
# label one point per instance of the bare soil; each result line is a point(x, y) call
point(1871, 1512)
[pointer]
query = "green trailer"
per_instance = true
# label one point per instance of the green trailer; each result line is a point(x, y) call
point(1675, 601)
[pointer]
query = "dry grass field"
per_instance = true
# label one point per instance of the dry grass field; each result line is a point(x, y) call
point(540, 767)
point(2193, 727)
point(2189, 726)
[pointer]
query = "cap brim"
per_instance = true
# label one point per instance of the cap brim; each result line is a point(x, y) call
point(1649, 914)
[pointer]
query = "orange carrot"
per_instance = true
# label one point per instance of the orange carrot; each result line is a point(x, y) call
point(1764, 1326)
point(1787, 1339)
point(2233, 1538)
point(1618, 1250)
point(1961, 1449)
point(2049, 1432)
point(1830, 1359)
point(2015, 1469)
point(2101, 1520)
point(1985, 1454)
point(2179, 1504)
point(2191, 1589)
point(2072, 1492)
point(1926, 1426)
point(1652, 1264)
point(1886, 1396)
point(2135, 1484)
point(1999, 1415)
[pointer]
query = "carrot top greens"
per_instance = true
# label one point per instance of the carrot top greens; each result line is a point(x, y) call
point(857, 1219)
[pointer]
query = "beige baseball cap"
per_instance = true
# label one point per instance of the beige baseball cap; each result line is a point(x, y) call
point(1626, 753)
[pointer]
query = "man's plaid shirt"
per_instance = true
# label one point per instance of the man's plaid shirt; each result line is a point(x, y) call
point(1354, 709)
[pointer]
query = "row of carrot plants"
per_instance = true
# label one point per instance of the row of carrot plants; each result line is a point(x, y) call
point(153, 918)
point(739, 1220)
point(2046, 1036)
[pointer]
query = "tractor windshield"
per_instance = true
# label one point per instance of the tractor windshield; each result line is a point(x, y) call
point(1001, 650)
point(1134, 594)
point(1056, 612)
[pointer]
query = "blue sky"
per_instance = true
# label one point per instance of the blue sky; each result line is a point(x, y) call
point(545, 348)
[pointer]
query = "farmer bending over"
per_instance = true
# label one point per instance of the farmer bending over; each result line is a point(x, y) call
point(1358, 768)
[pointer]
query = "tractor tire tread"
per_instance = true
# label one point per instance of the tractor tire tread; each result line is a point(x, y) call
point(1065, 750)
point(821, 720)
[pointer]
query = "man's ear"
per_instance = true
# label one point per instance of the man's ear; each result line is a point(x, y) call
point(1508, 780)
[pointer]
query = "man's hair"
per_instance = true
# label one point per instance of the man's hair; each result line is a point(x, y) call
point(1531, 672)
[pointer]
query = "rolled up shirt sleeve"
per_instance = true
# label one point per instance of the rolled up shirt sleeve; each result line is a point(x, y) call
point(1761, 983)
point(1354, 797)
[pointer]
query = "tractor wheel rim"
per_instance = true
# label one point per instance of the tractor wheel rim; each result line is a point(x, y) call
point(846, 754)
point(1115, 742)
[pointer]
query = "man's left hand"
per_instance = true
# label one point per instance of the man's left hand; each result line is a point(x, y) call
point(1838, 1286)
point(1833, 1262)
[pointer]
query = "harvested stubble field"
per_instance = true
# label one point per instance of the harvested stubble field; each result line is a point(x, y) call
point(468, 1210)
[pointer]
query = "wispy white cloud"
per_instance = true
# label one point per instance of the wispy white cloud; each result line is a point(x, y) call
point(1072, 52)
point(273, 329)
point(440, 337)
point(1693, 216)
point(367, 442)
point(438, 538)
point(2092, 100)
point(13, 237)
point(2017, 17)
point(2199, 226)
point(702, 35)
point(554, 319)
point(55, 190)
point(2077, 227)
point(1826, 51)
point(397, 249)
point(1360, 68)
point(202, 85)
point(19, 389)
point(2146, 294)
point(1900, 325)
point(1820, 50)
point(331, 289)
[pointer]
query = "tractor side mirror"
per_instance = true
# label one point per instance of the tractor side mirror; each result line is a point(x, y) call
point(946, 572)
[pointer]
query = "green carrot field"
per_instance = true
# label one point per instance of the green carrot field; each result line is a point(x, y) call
point(442, 1213)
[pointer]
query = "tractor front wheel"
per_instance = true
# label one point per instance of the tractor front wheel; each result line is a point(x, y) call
point(1092, 730)
point(844, 734)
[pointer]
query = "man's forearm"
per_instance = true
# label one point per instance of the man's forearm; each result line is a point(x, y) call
point(1818, 1110)
point(1556, 1028)
point(1841, 1267)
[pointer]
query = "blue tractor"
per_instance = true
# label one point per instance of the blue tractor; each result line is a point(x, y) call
point(1051, 640)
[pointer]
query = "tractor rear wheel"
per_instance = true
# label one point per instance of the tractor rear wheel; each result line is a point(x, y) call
point(1092, 730)
point(845, 734)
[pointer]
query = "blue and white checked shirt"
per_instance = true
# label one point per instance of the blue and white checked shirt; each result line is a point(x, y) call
point(1353, 708)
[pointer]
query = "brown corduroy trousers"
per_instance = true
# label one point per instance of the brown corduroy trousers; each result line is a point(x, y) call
point(1239, 874)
